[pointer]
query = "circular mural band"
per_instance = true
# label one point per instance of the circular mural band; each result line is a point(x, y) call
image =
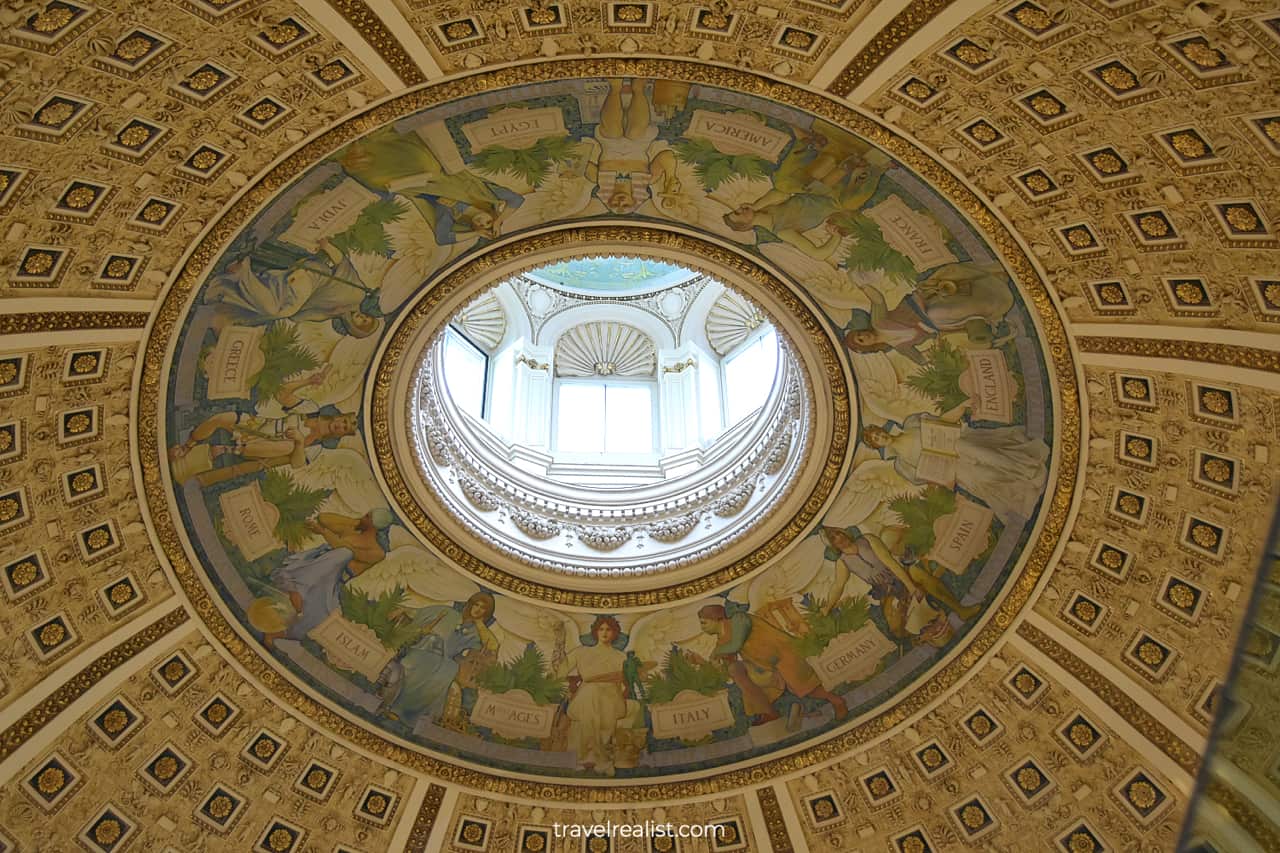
point(916, 558)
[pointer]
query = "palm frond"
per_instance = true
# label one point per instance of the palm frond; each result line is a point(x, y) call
point(713, 167)
point(376, 614)
point(826, 623)
point(284, 356)
point(295, 503)
point(368, 235)
point(529, 673)
point(679, 673)
point(869, 251)
point(939, 378)
point(533, 164)
point(919, 513)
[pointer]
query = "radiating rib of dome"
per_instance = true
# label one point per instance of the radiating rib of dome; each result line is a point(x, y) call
point(483, 321)
point(731, 319)
point(605, 349)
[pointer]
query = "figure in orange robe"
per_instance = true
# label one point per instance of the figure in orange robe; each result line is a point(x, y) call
point(762, 661)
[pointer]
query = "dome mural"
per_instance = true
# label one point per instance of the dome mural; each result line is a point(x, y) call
point(612, 274)
point(931, 525)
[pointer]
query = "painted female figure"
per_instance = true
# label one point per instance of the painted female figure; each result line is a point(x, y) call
point(599, 702)
point(421, 678)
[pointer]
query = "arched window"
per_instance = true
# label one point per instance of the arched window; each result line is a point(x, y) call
point(605, 391)
point(754, 358)
point(615, 383)
point(604, 416)
point(466, 370)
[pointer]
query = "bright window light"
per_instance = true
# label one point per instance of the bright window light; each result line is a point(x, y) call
point(465, 366)
point(597, 417)
point(749, 375)
point(580, 422)
point(628, 419)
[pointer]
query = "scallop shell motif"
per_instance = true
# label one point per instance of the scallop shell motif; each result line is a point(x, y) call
point(605, 349)
point(731, 319)
point(483, 321)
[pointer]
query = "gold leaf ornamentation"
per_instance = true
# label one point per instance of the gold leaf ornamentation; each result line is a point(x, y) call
point(52, 634)
point(1142, 794)
point(1081, 735)
point(1204, 536)
point(50, 19)
point(1084, 610)
point(1217, 470)
point(204, 159)
point(1215, 402)
point(630, 13)
point(797, 39)
point(1107, 163)
point(37, 263)
point(80, 197)
point(918, 90)
point(1189, 145)
point(121, 593)
point(51, 780)
point(1029, 779)
point(1118, 77)
point(1182, 596)
point(114, 721)
point(133, 48)
point(1112, 294)
point(1242, 218)
point(55, 114)
point(134, 136)
point(24, 573)
point(460, 30)
point(1189, 293)
point(1151, 653)
point(108, 832)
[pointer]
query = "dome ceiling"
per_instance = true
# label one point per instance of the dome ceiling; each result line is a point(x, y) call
point(1025, 253)
point(613, 275)
point(272, 456)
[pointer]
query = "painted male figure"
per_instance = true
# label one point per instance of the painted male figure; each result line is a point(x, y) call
point(762, 661)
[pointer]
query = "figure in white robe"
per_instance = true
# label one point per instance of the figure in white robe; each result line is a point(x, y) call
point(599, 703)
point(1002, 466)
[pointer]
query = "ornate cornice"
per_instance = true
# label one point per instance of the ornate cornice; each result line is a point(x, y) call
point(1258, 825)
point(774, 823)
point(428, 813)
point(63, 321)
point(384, 43)
point(1229, 355)
point(904, 25)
